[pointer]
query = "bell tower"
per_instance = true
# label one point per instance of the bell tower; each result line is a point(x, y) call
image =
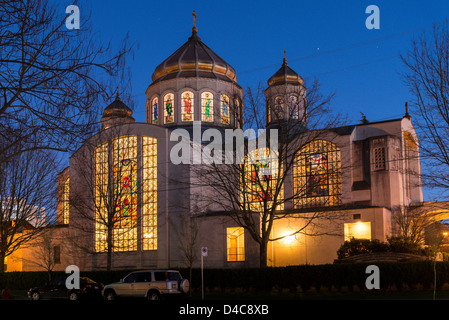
point(285, 96)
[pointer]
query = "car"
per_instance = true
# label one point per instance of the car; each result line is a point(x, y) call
point(56, 288)
point(148, 284)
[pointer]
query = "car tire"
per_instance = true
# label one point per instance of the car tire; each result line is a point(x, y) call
point(73, 296)
point(153, 295)
point(185, 286)
point(110, 295)
point(35, 295)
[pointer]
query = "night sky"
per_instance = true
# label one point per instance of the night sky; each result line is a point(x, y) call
point(327, 40)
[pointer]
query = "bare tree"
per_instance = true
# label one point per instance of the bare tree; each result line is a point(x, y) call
point(256, 192)
point(411, 222)
point(45, 253)
point(104, 195)
point(427, 77)
point(27, 188)
point(52, 79)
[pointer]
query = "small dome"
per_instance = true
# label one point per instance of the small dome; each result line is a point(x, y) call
point(117, 109)
point(116, 113)
point(194, 59)
point(285, 75)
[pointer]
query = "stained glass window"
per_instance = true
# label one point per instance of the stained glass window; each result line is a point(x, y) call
point(278, 107)
point(65, 202)
point(238, 113)
point(294, 107)
point(317, 175)
point(224, 102)
point(125, 198)
point(207, 106)
point(149, 194)
point(154, 106)
point(187, 105)
point(261, 180)
point(169, 108)
point(124, 155)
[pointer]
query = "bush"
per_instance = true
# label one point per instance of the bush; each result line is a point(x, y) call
point(359, 246)
point(404, 244)
point(394, 244)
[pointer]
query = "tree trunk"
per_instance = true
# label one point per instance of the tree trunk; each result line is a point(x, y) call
point(2, 262)
point(263, 250)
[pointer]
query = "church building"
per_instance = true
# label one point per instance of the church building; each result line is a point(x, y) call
point(122, 203)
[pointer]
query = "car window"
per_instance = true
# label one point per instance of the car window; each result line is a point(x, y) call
point(143, 277)
point(165, 276)
point(174, 276)
point(57, 281)
point(160, 276)
point(131, 277)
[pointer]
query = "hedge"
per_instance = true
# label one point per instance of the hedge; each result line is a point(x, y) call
point(401, 276)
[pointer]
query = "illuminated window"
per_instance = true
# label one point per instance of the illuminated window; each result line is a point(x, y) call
point(224, 103)
point(207, 106)
point(187, 105)
point(154, 106)
point(317, 175)
point(149, 196)
point(124, 157)
point(168, 108)
point(357, 230)
point(294, 107)
point(379, 158)
point(261, 180)
point(101, 196)
point(235, 241)
point(123, 196)
point(65, 202)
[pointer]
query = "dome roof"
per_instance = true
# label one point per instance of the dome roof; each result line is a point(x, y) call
point(117, 109)
point(285, 75)
point(194, 59)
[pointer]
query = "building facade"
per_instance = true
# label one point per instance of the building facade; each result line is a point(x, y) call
point(123, 202)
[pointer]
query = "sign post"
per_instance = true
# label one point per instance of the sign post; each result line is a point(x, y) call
point(203, 254)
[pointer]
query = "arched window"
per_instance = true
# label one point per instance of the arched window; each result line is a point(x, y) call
point(207, 106)
point(187, 105)
point(317, 175)
point(169, 108)
point(294, 107)
point(154, 108)
point(238, 113)
point(224, 104)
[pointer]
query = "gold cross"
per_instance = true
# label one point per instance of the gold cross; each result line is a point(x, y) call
point(194, 18)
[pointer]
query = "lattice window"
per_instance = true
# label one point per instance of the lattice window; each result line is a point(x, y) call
point(379, 158)
point(149, 194)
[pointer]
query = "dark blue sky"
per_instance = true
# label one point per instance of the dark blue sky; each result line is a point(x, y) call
point(323, 39)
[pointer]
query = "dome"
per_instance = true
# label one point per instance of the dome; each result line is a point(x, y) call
point(194, 59)
point(285, 75)
point(116, 113)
